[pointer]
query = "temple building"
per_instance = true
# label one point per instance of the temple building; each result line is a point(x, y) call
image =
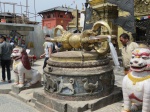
point(57, 16)
point(141, 18)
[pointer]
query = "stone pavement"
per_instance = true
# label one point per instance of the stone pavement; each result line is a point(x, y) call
point(27, 95)
point(11, 104)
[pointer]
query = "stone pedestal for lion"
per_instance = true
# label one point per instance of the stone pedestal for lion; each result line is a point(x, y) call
point(77, 81)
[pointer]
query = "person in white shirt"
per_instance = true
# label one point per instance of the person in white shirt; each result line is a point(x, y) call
point(48, 47)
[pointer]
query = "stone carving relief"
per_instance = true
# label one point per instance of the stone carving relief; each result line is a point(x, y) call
point(51, 85)
point(89, 87)
point(64, 87)
point(94, 17)
point(146, 1)
point(141, 6)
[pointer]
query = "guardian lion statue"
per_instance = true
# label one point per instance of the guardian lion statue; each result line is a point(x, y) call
point(136, 84)
point(22, 69)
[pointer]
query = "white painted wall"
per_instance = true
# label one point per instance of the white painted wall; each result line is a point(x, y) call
point(36, 37)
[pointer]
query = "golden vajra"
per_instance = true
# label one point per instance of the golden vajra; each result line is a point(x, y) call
point(88, 39)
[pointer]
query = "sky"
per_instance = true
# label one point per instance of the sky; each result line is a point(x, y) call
point(40, 5)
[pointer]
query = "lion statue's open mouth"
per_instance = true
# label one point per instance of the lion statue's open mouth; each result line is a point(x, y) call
point(138, 68)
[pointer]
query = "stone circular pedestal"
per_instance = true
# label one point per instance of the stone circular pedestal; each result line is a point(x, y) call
point(77, 75)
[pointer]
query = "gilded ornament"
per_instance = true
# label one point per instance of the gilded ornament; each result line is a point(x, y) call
point(88, 39)
point(135, 80)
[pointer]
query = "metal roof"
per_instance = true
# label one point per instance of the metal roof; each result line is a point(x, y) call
point(7, 14)
point(59, 8)
point(143, 24)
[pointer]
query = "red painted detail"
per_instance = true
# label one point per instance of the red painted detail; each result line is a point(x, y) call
point(141, 54)
point(132, 96)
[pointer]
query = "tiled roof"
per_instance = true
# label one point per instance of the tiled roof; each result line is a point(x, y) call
point(59, 8)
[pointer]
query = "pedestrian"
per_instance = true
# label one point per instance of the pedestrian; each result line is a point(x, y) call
point(58, 46)
point(48, 48)
point(5, 52)
point(126, 51)
point(23, 44)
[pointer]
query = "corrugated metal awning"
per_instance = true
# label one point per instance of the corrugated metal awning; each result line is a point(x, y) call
point(143, 24)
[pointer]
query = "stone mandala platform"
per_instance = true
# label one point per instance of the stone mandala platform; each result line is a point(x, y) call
point(78, 76)
point(77, 81)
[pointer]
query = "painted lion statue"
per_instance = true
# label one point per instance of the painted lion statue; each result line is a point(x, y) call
point(22, 69)
point(136, 84)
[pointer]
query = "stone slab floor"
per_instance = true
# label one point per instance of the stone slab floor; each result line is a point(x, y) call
point(11, 104)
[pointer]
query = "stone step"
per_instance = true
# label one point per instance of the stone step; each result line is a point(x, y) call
point(115, 107)
point(76, 106)
point(43, 108)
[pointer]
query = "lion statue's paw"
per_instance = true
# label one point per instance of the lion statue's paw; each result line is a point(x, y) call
point(15, 83)
point(20, 85)
point(136, 107)
point(28, 85)
point(125, 111)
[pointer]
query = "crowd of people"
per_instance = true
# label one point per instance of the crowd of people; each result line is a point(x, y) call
point(50, 47)
point(6, 50)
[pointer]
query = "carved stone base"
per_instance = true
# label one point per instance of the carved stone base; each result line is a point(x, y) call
point(17, 90)
point(47, 103)
point(78, 76)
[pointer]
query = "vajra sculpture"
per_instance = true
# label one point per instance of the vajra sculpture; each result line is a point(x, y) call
point(87, 40)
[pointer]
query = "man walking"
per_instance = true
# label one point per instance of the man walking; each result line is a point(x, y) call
point(48, 48)
point(126, 50)
point(5, 52)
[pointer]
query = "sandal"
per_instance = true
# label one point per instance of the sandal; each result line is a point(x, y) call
point(3, 80)
point(9, 81)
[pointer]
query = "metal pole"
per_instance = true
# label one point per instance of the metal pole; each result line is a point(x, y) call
point(21, 9)
point(26, 8)
point(1, 7)
point(77, 21)
point(14, 12)
point(86, 5)
point(4, 11)
point(35, 10)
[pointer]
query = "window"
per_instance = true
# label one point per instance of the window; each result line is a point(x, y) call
point(61, 16)
point(48, 16)
point(52, 16)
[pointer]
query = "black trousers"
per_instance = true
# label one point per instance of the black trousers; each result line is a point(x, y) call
point(45, 62)
point(6, 64)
